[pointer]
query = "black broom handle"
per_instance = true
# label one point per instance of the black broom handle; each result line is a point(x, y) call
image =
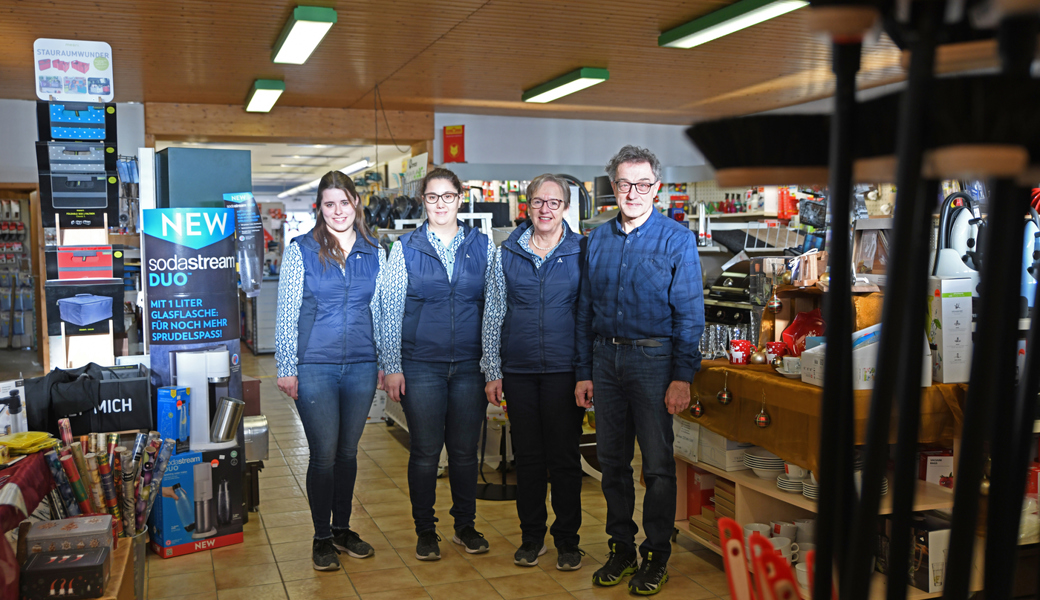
point(910, 148)
point(908, 398)
point(992, 376)
point(836, 412)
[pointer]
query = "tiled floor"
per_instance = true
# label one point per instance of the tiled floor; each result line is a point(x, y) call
point(274, 562)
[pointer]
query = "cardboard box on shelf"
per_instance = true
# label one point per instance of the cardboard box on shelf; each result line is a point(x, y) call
point(931, 540)
point(686, 437)
point(700, 487)
point(936, 466)
point(77, 533)
point(717, 451)
point(864, 362)
point(950, 328)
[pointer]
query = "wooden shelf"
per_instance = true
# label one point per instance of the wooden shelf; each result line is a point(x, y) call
point(929, 496)
point(687, 531)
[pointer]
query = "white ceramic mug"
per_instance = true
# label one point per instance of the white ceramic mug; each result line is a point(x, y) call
point(812, 477)
point(806, 530)
point(804, 548)
point(802, 573)
point(762, 528)
point(794, 472)
point(785, 529)
point(786, 548)
point(793, 364)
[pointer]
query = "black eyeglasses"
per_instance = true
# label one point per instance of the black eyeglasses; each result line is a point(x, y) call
point(624, 186)
point(552, 203)
point(449, 198)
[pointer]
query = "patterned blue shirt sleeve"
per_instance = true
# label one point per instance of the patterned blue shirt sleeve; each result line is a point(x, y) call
point(494, 315)
point(392, 296)
point(290, 297)
point(376, 308)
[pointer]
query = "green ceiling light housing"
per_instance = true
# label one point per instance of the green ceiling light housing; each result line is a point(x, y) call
point(567, 84)
point(264, 94)
point(733, 18)
point(302, 34)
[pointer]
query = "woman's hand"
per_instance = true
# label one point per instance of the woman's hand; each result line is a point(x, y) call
point(382, 381)
point(394, 385)
point(289, 385)
point(493, 391)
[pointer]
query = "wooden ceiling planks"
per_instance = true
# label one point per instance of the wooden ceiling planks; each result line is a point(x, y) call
point(457, 55)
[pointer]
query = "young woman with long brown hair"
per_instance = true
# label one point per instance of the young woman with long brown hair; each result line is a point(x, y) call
point(326, 341)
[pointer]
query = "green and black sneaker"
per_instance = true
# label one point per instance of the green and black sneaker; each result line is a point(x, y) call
point(652, 574)
point(619, 563)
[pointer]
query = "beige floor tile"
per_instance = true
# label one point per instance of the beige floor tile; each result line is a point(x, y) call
point(293, 570)
point(394, 522)
point(406, 594)
point(284, 505)
point(689, 563)
point(448, 556)
point(322, 588)
point(370, 473)
point(507, 526)
point(363, 525)
point(379, 496)
point(570, 580)
point(281, 493)
point(202, 596)
point(301, 451)
point(271, 483)
point(493, 566)
point(389, 508)
point(240, 556)
point(285, 519)
point(463, 590)
point(255, 537)
point(439, 572)
point(292, 551)
point(383, 560)
point(556, 596)
point(383, 580)
point(236, 577)
point(715, 583)
point(274, 591)
point(297, 533)
point(616, 592)
point(396, 472)
point(293, 442)
point(402, 538)
point(679, 587)
point(371, 485)
point(270, 471)
point(179, 585)
point(191, 563)
point(526, 585)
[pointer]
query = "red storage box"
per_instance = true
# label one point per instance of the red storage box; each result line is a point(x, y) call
point(60, 65)
point(83, 262)
point(45, 64)
point(700, 488)
point(80, 66)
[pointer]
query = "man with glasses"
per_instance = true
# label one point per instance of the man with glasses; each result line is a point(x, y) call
point(639, 322)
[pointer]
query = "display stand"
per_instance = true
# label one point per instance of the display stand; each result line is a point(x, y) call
point(88, 348)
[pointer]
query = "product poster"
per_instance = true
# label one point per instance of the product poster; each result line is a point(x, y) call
point(73, 70)
point(192, 288)
point(454, 143)
point(249, 237)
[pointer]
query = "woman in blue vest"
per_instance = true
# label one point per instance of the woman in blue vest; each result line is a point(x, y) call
point(528, 355)
point(436, 282)
point(325, 348)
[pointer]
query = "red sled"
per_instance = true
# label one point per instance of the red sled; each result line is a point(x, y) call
point(45, 64)
point(60, 65)
point(84, 262)
point(82, 67)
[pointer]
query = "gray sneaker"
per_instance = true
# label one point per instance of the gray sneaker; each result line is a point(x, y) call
point(569, 558)
point(471, 539)
point(347, 541)
point(527, 554)
point(427, 547)
point(323, 553)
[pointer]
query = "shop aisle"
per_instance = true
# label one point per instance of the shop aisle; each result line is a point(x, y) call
point(274, 562)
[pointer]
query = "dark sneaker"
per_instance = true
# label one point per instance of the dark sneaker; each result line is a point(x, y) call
point(427, 548)
point(528, 552)
point(650, 577)
point(619, 563)
point(347, 541)
point(471, 539)
point(569, 558)
point(323, 553)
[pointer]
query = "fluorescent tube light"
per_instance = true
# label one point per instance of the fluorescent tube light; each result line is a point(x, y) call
point(302, 34)
point(725, 21)
point(348, 170)
point(568, 84)
point(265, 93)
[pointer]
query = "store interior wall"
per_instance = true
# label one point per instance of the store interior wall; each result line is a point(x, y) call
point(18, 134)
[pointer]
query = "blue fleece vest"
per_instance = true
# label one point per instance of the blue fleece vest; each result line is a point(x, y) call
point(538, 330)
point(335, 324)
point(442, 318)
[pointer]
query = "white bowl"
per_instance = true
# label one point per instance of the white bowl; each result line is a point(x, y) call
point(757, 452)
point(767, 473)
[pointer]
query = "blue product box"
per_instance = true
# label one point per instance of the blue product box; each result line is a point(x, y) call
point(173, 408)
point(200, 505)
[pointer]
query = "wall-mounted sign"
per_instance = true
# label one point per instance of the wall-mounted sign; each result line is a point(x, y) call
point(73, 70)
point(454, 143)
point(416, 168)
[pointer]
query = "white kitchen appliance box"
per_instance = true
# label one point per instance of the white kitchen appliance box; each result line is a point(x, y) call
point(949, 328)
point(717, 451)
point(864, 362)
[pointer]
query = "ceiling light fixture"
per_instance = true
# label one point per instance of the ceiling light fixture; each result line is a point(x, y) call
point(574, 81)
point(733, 18)
point(264, 94)
point(302, 34)
point(349, 170)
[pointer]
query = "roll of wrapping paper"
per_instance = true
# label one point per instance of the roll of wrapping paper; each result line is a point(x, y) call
point(65, 428)
point(144, 487)
point(61, 481)
point(129, 502)
point(108, 488)
point(68, 464)
point(81, 466)
point(117, 473)
point(94, 479)
point(58, 508)
point(113, 441)
point(139, 443)
point(161, 460)
point(92, 443)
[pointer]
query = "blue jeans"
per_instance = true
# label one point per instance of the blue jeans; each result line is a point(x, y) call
point(445, 406)
point(629, 385)
point(334, 401)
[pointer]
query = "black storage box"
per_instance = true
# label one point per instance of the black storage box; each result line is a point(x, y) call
point(68, 575)
point(108, 399)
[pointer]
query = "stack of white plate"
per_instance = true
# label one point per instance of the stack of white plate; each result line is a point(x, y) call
point(790, 485)
point(764, 463)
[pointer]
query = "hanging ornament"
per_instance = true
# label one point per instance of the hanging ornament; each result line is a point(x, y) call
point(762, 418)
point(724, 396)
point(774, 303)
point(758, 357)
point(697, 410)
